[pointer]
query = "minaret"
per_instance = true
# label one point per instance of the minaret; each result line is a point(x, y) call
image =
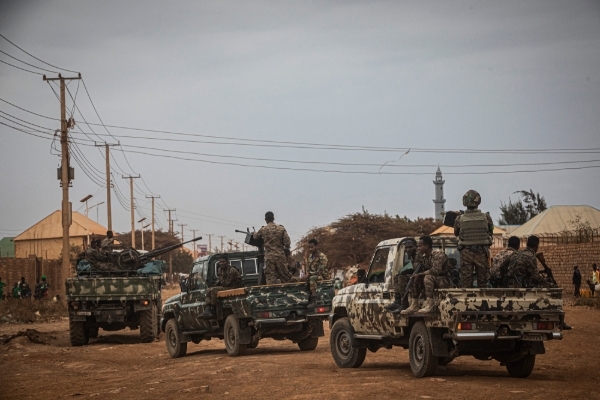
point(439, 195)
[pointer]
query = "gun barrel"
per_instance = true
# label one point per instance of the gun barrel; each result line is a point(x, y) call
point(238, 231)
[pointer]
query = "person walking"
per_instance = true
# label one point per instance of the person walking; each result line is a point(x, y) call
point(576, 281)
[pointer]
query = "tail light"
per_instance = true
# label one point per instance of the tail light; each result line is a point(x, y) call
point(322, 309)
point(263, 315)
point(543, 326)
point(466, 326)
point(144, 302)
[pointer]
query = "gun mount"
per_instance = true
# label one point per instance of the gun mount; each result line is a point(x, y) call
point(130, 259)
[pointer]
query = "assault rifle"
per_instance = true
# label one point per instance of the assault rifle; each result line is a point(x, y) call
point(411, 280)
point(547, 270)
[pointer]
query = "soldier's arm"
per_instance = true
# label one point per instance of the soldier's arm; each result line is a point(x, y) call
point(457, 226)
point(258, 235)
point(323, 263)
point(286, 239)
point(490, 223)
point(437, 263)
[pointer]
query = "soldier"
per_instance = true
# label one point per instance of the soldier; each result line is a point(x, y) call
point(400, 302)
point(522, 268)
point(277, 244)
point(229, 278)
point(436, 276)
point(474, 230)
point(316, 270)
point(108, 242)
point(500, 262)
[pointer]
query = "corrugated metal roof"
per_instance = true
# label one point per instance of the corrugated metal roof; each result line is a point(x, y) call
point(556, 219)
point(51, 227)
point(7, 247)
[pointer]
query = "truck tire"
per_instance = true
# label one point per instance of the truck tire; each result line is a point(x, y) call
point(422, 361)
point(231, 332)
point(146, 326)
point(175, 348)
point(521, 368)
point(78, 334)
point(309, 343)
point(93, 332)
point(343, 352)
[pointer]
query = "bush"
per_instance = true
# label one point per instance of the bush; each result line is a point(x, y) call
point(589, 302)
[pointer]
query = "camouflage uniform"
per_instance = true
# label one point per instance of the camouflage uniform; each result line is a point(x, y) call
point(275, 239)
point(500, 266)
point(523, 268)
point(316, 270)
point(474, 256)
point(229, 278)
point(437, 274)
point(402, 278)
point(107, 244)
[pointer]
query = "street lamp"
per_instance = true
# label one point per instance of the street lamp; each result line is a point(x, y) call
point(85, 200)
point(141, 221)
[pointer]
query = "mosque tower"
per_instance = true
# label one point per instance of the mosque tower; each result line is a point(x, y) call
point(439, 195)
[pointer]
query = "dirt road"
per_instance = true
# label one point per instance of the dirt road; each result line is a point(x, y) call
point(116, 365)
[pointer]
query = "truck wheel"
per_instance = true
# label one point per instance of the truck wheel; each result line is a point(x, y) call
point(309, 343)
point(521, 368)
point(175, 348)
point(78, 335)
point(422, 361)
point(253, 344)
point(231, 332)
point(344, 353)
point(146, 326)
point(443, 361)
point(92, 332)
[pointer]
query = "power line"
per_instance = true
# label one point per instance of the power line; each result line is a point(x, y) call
point(31, 55)
point(26, 63)
point(23, 69)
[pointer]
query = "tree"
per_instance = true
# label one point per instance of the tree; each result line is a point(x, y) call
point(351, 239)
point(182, 259)
point(526, 207)
point(582, 227)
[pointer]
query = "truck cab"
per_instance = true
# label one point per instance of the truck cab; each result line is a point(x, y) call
point(505, 324)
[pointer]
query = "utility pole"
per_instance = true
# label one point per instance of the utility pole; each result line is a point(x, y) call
point(131, 178)
point(170, 253)
point(182, 225)
point(66, 174)
point(108, 187)
point(194, 237)
point(210, 242)
point(85, 200)
point(221, 242)
point(152, 197)
point(141, 221)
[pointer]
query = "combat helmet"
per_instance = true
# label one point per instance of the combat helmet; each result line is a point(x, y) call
point(471, 199)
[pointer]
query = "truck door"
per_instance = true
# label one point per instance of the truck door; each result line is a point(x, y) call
point(193, 302)
point(370, 316)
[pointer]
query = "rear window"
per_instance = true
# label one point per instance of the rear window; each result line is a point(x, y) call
point(250, 267)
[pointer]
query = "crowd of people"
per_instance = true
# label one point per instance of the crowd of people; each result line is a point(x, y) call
point(22, 290)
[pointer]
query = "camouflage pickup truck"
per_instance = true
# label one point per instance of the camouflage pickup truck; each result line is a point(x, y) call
point(506, 325)
point(244, 315)
point(113, 303)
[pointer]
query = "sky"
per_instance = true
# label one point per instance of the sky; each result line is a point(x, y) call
point(390, 75)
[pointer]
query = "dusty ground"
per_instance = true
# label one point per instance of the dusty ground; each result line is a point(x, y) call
point(116, 365)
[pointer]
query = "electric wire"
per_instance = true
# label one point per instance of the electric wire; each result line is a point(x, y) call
point(31, 55)
point(26, 63)
point(23, 69)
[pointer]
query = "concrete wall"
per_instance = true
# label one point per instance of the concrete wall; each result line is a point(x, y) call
point(49, 249)
point(561, 258)
point(32, 268)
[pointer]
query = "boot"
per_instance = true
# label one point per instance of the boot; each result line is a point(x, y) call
point(312, 303)
point(395, 305)
point(209, 313)
point(413, 308)
point(566, 327)
point(403, 305)
point(427, 307)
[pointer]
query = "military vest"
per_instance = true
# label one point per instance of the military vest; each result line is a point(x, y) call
point(474, 229)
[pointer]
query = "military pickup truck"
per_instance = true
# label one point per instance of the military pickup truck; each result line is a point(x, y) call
point(113, 302)
point(244, 315)
point(507, 325)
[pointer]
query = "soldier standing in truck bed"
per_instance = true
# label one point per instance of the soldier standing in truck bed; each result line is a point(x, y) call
point(277, 244)
point(316, 270)
point(474, 230)
point(229, 278)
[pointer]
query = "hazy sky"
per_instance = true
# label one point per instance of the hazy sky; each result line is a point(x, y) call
point(429, 75)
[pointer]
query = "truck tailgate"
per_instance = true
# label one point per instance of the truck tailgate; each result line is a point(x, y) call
point(114, 288)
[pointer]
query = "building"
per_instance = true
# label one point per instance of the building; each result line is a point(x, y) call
point(439, 195)
point(44, 239)
point(557, 219)
point(7, 247)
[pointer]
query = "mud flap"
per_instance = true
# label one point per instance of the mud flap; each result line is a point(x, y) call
point(155, 324)
point(537, 348)
point(439, 346)
point(245, 334)
point(317, 329)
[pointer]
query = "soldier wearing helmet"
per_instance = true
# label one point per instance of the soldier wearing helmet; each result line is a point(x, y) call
point(474, 230)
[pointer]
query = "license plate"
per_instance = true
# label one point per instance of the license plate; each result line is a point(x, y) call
point(533, 337)
point(84, 313)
